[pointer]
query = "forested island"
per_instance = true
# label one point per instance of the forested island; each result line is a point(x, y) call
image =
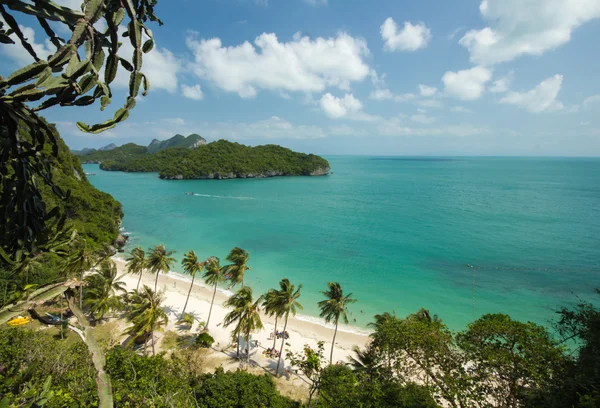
point(216, 160)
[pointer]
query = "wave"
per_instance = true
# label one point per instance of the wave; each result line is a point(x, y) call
point(342, 327)
point(229, 197)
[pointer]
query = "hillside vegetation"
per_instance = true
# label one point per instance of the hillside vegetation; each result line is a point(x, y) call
point(222, 159)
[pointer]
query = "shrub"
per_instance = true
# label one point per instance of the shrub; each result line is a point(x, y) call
point(204, 340)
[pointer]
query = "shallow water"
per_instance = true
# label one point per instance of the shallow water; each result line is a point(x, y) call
point(399, 233)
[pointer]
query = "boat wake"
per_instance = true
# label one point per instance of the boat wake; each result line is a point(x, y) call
point(225, 197)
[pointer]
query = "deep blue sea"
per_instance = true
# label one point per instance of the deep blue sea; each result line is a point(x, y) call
point(397, 232)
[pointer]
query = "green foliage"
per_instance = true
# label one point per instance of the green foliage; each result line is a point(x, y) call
point(102, 294)
point(510, 359)
point(36, 366)
point(342, 387)
point(176, 141)
point(204, 340)
point(311, 363)
point(246, 315)
point(239, 390)
point(153, 381)
point(68, 77)
point(146, 314)
point(220, 159)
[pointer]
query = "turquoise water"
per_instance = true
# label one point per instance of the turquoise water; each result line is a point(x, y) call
point(396, 232)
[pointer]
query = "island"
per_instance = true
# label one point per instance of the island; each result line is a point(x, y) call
point(193, 158)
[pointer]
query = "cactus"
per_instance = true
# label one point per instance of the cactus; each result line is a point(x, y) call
point(69, 77)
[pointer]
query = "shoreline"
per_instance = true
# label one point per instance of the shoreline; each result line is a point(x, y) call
point(302, 332)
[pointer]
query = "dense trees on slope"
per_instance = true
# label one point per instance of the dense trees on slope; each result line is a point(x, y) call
point(219, 159)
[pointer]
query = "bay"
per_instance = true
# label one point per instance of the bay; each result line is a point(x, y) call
point(397, 232)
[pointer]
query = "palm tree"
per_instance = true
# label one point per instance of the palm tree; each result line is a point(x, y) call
point(81, 261)
point(213, 275)
point(102, 290)
point(191, 266)
point(146, 314)
point(246, 312)
point(334, 307)
point(159, 260)
point(27, 267)
point(136, 263)
point(272, 306)
point(239, 265)
point(288, 303)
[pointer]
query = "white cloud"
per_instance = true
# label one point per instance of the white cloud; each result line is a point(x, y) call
point(410, 38)
point(174, 121)
point(18, 54)
point(346, 130)
point(303, 64)
point(422, 118)
point(503, 84)
point(339, 107)
point(541, 98)
point(461, 109)
point(272, 128)
point(429, 103)
point(381, 95)
point(160, 66)
point(592, 100)
point(526, 27)
point(192, 92)
point(316, 2)
point(427, 91)
point(396, 128)
point(468, 84)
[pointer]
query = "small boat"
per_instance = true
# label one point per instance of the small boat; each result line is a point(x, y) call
point(19, 321)
point(189, 193)
point(90, 174)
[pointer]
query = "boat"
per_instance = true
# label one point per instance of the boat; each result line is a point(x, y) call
point(189, 193)
point(90, 174)
point(19, 321)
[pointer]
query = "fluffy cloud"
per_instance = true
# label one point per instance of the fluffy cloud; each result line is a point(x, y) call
point(592, 100)
point(192, 92)
point(19, 55)
point(339, 107)
point(345, 130)
point(410, 38)
point(303, 64)
point(503, 84)
point(272, 128)
point(461, 109)
point(430, 103)
point(397, 128)
point(468, 84)
point(422, 118)
point(539, 99)
point(521, 27)
point(386, 95)
point(427, 91)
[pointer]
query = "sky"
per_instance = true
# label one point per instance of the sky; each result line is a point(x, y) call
point(375, 77)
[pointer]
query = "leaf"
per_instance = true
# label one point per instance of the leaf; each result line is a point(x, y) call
point(104, 101)
point(148, 45)
point(135, 81)
point(44, 76)
point(111, 68)
point(83, 127)
point(26, 73)
point(118, 16)
point(87, 83)
point(145, 84)
point(126, 64)
point(73, 62)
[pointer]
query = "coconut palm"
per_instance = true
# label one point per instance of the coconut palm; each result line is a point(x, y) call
point(159, 260)
point(271, 303)
point(191, 266)
point(246, 312)
point(146, 314)
point(335, 307)
point(213, 275)
point(288, 303)
point(239, 265)
point(102, 292)
point(81, 261)
point(136, 263)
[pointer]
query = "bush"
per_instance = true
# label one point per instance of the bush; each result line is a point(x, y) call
point(204, 340)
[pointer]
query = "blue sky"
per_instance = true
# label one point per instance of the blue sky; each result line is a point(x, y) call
point(429, 77)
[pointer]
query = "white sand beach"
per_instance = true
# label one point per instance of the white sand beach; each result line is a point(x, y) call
point(301, 332)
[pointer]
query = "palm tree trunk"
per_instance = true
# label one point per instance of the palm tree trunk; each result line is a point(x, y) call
point(333, 343)
point(238, 346)
point(247, 350)
point(188, 296)
point(81, 292)
point(275, 333)
point(156, 281)
point(211, 305)
point(139, 280)
point(146, 344)
point(282, 340)
point(152, 334)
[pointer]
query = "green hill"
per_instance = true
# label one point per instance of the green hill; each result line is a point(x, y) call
point(223, 160)
point(189, 142)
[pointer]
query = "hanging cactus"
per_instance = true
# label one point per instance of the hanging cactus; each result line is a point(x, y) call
point(71, 76)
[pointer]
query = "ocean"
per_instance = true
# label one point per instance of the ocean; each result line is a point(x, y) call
point(458, 236)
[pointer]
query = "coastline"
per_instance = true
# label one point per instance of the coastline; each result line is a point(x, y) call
point(302, 329)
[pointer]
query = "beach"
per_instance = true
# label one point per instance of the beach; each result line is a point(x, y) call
point(301, 332)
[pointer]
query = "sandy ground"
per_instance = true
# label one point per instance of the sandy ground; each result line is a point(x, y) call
point(301, 332)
